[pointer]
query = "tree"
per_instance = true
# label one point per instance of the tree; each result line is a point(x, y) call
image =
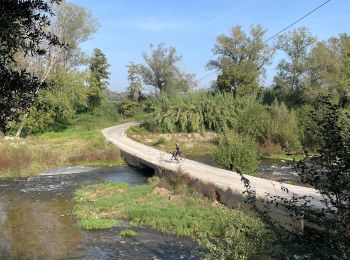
point(237, 153)
point(99, 76)
point(162, 72)
point(55, 106)
point(22, 27)
point(72, 25)
point(291, 81)
point(135, 82)
point(241, 60)
point(330, 69)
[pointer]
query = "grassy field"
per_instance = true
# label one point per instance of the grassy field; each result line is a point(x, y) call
point(81, 143)
point(175, 207)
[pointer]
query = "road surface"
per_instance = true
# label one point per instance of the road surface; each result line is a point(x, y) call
point(223, 179)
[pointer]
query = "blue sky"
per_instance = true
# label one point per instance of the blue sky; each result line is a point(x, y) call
point(128, 27)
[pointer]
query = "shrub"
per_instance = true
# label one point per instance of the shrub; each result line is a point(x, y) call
point(161, 140)
point(128, 108)
point(307, 126)
point(237, 152)
point(252, 118)
point(284, 126)
point(328, 171)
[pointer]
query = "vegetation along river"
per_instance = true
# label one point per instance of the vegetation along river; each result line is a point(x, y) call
point(36, 221)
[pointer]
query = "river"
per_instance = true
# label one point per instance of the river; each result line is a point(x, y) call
point(36, 221)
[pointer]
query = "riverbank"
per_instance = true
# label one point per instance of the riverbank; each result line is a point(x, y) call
point(81, 143)
point(173, 206)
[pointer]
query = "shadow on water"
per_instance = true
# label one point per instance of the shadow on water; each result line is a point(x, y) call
point(36, 221)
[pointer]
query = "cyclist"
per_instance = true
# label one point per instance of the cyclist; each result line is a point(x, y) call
point(177, 152)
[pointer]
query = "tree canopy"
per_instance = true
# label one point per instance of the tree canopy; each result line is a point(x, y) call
point(99, 76)
point(162, 72)
point(240, 60)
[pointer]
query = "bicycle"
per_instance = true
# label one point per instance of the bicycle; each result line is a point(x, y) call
point(178, 157)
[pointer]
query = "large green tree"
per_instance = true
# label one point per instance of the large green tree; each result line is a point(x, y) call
point(240, 60)
point(99, 76)
point(161, 70)
point(22, 29)
point(329, 71)
point(291, 81)
point(135, 82)
point(72, 25)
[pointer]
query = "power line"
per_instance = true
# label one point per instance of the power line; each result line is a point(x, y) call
point(276, 34)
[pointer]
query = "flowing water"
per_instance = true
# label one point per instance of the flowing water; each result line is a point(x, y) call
point(36, 221)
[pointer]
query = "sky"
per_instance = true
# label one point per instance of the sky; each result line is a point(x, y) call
point(128, 27)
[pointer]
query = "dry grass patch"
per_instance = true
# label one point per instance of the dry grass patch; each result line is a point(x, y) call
point(32, 155)
point(93, 195)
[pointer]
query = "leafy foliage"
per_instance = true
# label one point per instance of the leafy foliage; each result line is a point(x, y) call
point(201, 111)
point(58, 104)
point(99, 76)
point(240, 60)
point(135, 82)
point(292, 73)
point(161, 70)
point(329, 170)
point(284, 126)
point(237, 152)
point(22, 26)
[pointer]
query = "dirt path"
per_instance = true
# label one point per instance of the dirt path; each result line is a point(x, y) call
point(222, 178)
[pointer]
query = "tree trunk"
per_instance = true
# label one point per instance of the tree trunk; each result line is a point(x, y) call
point(19, 131)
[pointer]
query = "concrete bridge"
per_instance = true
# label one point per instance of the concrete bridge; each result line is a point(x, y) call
point(228, 184)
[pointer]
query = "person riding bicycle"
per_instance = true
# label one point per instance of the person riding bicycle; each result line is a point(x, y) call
point(177, 149)
point(177, 152)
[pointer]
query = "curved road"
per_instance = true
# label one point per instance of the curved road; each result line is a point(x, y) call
point(223, 179)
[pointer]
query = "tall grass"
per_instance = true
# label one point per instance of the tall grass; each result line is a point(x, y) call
point(202, 111)
point(81, 143)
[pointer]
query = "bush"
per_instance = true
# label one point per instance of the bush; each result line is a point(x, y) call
point(307, 126)
point(237, 152)
point(128, 108)
point(328, 171)
point(252, 118)
point(284, 126)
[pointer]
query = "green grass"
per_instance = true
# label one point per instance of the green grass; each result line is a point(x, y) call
point(81, 143)
point(97, 223)
point(128, 233)
point(186, 213)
